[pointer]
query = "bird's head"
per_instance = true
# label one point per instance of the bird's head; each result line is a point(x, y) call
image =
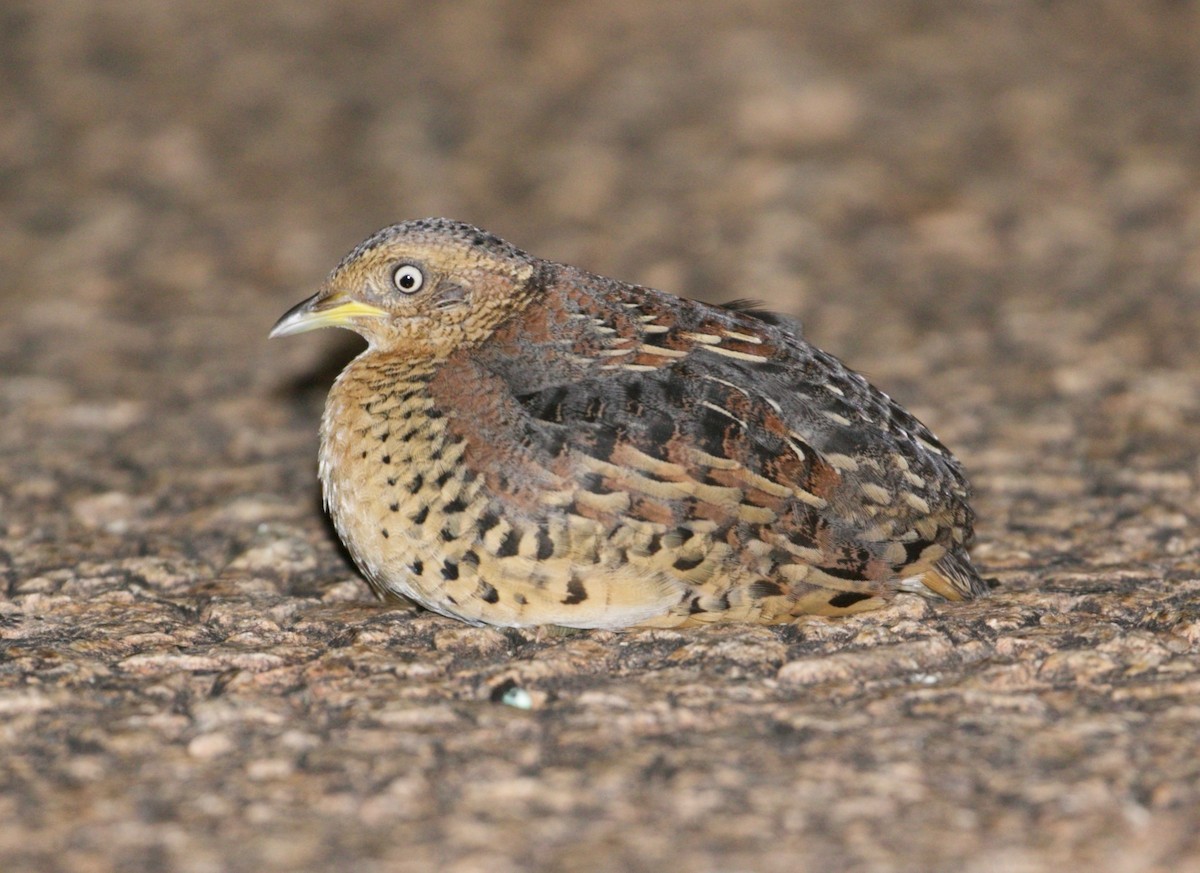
point(421, 288)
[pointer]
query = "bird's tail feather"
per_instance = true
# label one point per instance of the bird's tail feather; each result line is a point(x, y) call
point(953, 577)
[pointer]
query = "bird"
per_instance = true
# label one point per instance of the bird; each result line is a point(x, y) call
point(523, 443)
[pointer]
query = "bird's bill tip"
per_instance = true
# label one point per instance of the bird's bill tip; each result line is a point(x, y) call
point(320, 311)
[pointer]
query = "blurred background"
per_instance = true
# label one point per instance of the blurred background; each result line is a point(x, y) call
point(991, 209)
point(922, 164)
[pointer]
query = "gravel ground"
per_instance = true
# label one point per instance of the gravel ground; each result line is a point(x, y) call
point(992, 209)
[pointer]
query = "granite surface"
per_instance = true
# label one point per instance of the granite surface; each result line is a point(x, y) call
point(992, 209)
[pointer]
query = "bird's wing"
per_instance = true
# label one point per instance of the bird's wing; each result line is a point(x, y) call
point(697, 419)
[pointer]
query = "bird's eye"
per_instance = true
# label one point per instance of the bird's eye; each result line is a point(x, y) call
point(408, 279)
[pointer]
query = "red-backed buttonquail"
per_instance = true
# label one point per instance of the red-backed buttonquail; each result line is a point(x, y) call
point(525, 443)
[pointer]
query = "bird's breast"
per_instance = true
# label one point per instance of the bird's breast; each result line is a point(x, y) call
point(388, 470)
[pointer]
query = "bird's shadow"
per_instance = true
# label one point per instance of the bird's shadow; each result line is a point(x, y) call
point(307, 388)
point(303, 393)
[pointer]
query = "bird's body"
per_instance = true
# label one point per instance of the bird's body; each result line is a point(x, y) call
point(524, 443)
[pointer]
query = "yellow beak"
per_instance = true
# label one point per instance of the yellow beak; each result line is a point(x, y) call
point(320, 311)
